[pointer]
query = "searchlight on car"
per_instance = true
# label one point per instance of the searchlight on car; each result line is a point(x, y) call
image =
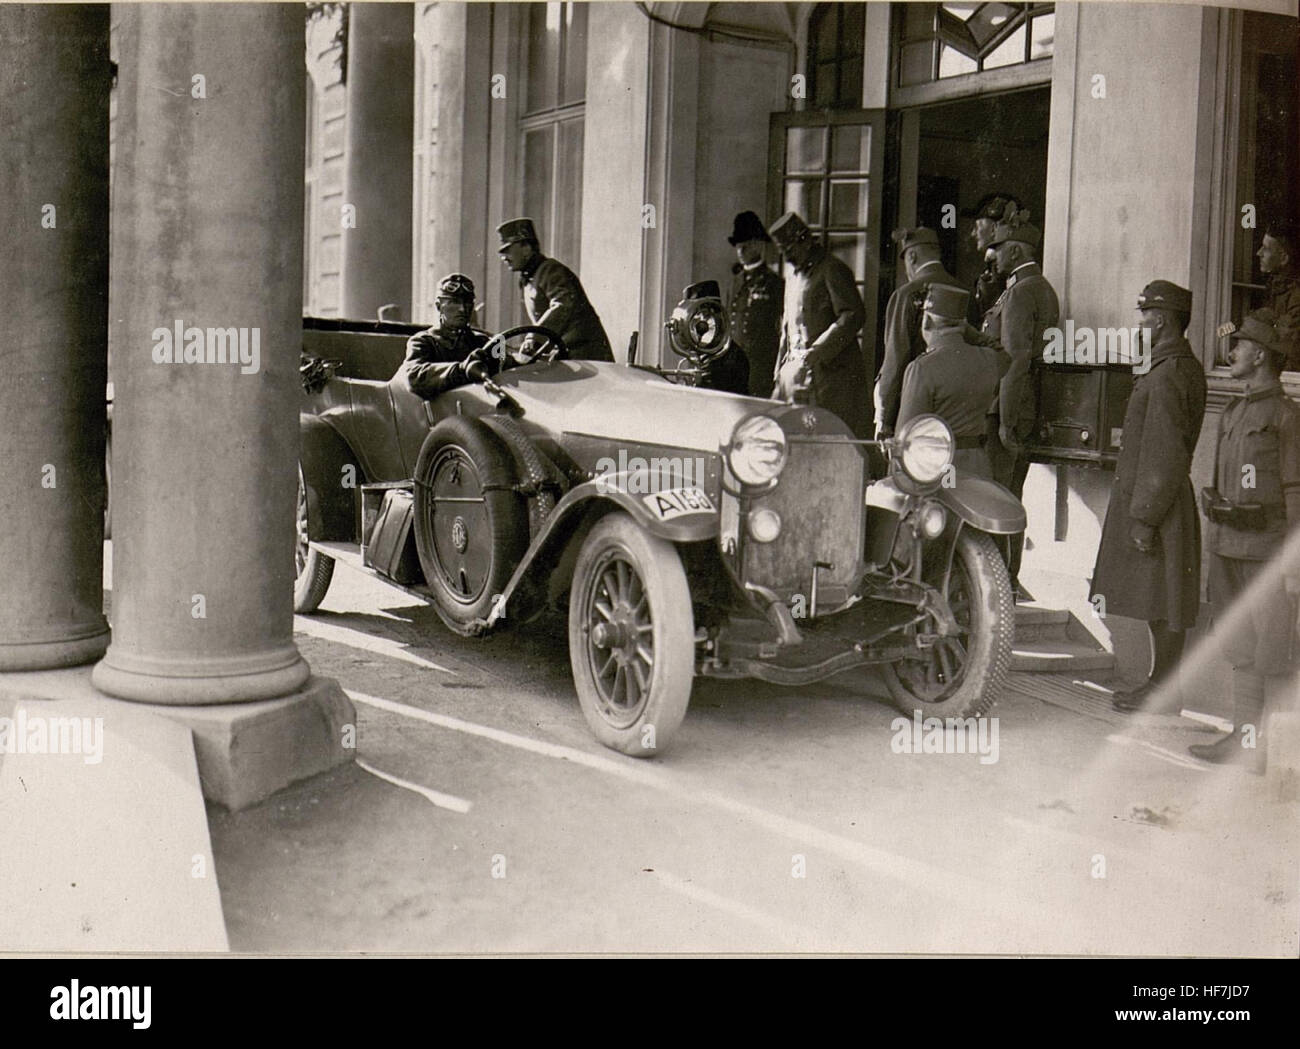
point(924, 448)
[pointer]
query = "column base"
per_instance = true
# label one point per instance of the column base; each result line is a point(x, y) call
point(248, 751)
point(51, 655)
point(147, 686)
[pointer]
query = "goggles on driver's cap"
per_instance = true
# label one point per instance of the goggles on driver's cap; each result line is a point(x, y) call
point(456, 286)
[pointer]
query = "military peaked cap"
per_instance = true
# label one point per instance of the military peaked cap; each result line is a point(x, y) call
point(747, 226)
point(1015, 226)
point(1261, 326)
point(911, 238)
point(946, 301)
point(789, 229)
point(993, 206)
point(1165, 295)
point(516, 231)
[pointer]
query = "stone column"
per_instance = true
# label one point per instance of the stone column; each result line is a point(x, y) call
point(377, 181)
point(207, 265)
point(54, 86)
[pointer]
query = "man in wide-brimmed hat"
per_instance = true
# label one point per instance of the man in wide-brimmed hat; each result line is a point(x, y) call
point(754, 303)
point(820, 359)
point(553, 295)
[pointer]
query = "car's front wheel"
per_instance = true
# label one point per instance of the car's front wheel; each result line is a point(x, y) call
point(313, 571)
point(631, 637)
point(961, 676)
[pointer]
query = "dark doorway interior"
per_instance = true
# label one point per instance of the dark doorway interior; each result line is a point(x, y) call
point(974, 147)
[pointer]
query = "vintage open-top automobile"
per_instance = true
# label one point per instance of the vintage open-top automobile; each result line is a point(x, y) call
point(691, 532)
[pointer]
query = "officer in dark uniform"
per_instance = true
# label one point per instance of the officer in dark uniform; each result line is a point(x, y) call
point(820, 360)
point(449, 354)
point(1254, 504)
point(953, 379)
point(553, 295)
point(919, 249)
point(1019, 320)
point(990, 283)
point(754, 305)
point(1149, 561)
point(1278, 262)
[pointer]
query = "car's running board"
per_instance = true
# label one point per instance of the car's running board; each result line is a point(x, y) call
point(349, 556)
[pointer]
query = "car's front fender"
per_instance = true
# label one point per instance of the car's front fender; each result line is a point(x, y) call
point(331, 486)
point(985, 505)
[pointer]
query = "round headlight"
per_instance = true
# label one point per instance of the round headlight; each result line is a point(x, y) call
point(933, 519)
point(764, 525)
point(756, 454)
point(924, 446)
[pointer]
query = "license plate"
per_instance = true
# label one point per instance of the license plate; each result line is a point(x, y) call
point(674, 502)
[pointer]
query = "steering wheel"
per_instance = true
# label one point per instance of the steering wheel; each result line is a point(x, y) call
point(496, 346)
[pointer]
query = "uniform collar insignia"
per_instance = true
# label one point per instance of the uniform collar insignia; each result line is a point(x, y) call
point(1273, 389)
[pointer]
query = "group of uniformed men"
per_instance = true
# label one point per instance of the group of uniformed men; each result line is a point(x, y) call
point(966, 356)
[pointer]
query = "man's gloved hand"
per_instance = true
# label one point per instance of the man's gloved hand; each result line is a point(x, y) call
point(1009, 440)
point(1143, 537)
point(793, 378)
point(477, 368)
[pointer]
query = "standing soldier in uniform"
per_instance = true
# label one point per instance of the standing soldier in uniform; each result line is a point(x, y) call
point(990, 284)
point(953, 379)
point(1149, 561)
point(819, 356)
point(1254, 504)
point(903, 342)
point(451, 353)
point(553, 295)
point(754, 305)
point(1277, 261)
point(1022, 314)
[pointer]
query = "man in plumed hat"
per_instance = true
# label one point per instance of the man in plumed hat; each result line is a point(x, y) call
point(1149, 561)
point(990, 284)
point(1027, 307)
point(919, 249)
point(819, 358)
point(553, 295)
point(1252, 507)
point(754, 303)
point(450, 353)
point(953, 379)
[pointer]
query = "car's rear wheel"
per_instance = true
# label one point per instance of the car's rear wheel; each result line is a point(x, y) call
point(961, 676)
point(471, 525)
point(313, 571)
point(631, 636)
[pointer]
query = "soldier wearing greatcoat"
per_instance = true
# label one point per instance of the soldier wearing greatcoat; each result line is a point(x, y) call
point(1149, 561)
point(1253, 505)
point(820, 360)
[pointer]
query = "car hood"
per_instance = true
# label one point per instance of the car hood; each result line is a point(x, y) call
point(621, 403)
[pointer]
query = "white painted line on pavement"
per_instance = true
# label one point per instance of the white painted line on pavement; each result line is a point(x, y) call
point(353, 638)
point(1170, 756)
point(794, 936)
point(917, 874)
point(443, 801)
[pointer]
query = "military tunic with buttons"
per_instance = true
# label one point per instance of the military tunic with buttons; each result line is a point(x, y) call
point(555, 299)
point(754, 314)
point(436, 359)
point(955, 381)
point(1018, 320)
point(1260, 430)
